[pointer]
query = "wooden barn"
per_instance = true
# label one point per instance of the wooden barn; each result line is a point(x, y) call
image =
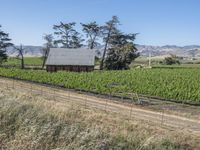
point(77, 60)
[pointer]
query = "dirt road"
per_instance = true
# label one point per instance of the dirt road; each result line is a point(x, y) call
point(129, 110)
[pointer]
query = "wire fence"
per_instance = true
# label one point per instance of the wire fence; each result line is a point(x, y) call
point(128, 110)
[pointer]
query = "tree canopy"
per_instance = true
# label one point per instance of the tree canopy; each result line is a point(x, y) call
point(171, 60)
point(119, 50)
point(68, 37)
point(93, 32)
point(4, 43)
point(109, 29)
point(122, 51)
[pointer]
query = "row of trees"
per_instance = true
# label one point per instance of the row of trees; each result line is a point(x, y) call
point(118, 52)
point(119, 48)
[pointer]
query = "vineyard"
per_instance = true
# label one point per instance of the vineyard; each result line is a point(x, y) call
point(181, 85)
point(27, 60)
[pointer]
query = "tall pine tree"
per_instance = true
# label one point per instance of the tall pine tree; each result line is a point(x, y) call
point(68, 37)
point(109, 29)
point(4, 43)
point(122, 51)
point(93, 32)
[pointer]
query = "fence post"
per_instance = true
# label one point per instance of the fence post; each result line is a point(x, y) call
point(54, 94)
point(122, 98)
point(139, 102)
point(107, 101)
point(68, 95)
point(41, 91)
point(31, 90)
point(86, 101)
point(132, 98)
point(162, 119)
point(13, 84)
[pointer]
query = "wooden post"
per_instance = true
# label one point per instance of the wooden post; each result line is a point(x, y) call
point(86, 101)
point(139, 102)
point(13, 84)
point(122, 98)
point(68, 95)
point(31, 90)
point(41, 91)
point(54, 94)
point(131, 106)
point(107, 101)
point(162, 120)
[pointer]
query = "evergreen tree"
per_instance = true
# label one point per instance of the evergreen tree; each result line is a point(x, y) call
point(108, 31)
point(119, 58)
point(93, 31)
point(4, 43)
point(68, 36)
point(122, 51)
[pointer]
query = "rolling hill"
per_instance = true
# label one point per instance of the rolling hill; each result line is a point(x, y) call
point(190, 51)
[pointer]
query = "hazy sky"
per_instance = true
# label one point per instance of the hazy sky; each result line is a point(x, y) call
point(159, 22)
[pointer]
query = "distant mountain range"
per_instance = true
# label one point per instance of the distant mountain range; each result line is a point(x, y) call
point(161, 51)
point(29, 51)
point(185, 51)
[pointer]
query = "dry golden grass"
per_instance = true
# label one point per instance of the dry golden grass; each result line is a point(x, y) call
point(34, 122)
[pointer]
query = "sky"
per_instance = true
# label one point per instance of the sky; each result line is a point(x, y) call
point(158, 22)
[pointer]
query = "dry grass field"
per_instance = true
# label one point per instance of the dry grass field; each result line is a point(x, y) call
point(35, 122)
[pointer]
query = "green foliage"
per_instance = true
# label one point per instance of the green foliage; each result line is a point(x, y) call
point(171, 60)
point(121, 49)
point(120, 57)
point(27, 61)
point(179, 84)
point(93, 31)
point(4, 43)
point(3, 56)
point(109, 29)
point(68, 36)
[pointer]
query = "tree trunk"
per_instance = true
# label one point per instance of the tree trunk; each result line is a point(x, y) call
point(44, 61)
point(103, 57)
point(22, 57)
point(92, 45)
point(93, 41)
point(105, 49)
point(45, 57)
point(22, 62)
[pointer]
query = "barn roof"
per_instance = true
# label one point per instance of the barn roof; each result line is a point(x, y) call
point(64, 56)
